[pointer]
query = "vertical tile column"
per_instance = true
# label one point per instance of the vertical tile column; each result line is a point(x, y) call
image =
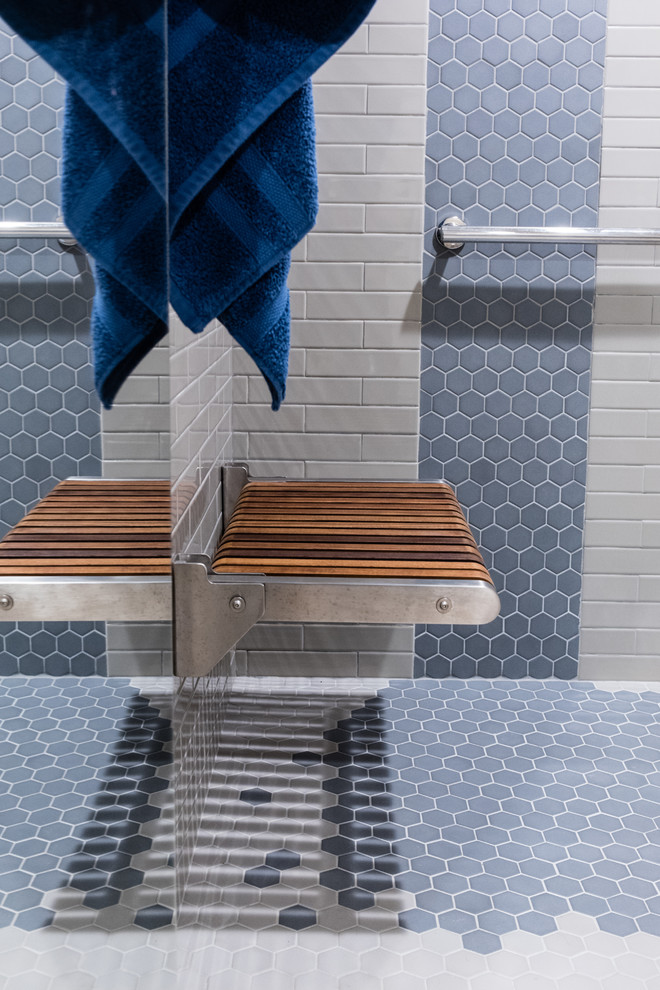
point(49, 412)
point(352, 398)
point(621, 597)
point(514, 139)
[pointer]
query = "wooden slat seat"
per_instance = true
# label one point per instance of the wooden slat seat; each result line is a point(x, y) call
point(350, 529)
point(92, 528)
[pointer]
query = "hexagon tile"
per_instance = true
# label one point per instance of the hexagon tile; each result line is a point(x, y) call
point(514, 137)
point(397, 835)
point(50, 424)
point(86, 830)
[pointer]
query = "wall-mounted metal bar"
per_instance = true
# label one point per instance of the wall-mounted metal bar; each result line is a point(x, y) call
point(453, 233)
point(17, 231)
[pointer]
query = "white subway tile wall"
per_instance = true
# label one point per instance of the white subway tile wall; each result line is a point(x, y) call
point(620, 628)
point(200, 423)
point(352, 406)
point(135, 440)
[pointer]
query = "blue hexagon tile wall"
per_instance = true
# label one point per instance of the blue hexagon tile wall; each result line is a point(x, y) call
point(515, 91)
point(49, 413)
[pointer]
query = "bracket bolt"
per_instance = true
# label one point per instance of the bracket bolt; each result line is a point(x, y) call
point(443, 604)
point(6, 602)
point(237, 603)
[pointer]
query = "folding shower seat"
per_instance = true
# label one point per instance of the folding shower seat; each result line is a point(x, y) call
point(294, 551)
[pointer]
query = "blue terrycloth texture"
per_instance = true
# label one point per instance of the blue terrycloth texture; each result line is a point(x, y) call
point(240, 189)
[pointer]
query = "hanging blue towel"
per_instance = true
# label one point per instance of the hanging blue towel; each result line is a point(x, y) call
point(234, 190)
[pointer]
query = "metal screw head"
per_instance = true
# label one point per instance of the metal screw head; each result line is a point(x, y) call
point(6, 602)
point(237, 603)
point(443, 604)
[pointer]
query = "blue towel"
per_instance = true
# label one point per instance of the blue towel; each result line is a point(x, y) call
point(235, 189)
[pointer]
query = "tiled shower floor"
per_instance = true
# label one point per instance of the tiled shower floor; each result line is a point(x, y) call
point(380, 835)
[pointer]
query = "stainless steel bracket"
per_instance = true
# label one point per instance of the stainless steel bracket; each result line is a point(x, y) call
point(212, 613)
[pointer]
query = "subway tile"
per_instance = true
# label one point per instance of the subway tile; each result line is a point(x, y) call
point(328, 446)
point(345, 218)
point(357, 43)
point(365, 419)
point(326, 333)
point(122, 419)
point(633, 12)
point(392, 12)
point(340, 99)
point(138, 389)
point(297, 304)
point(633, 41)
point(386, 188)
point(365, 247)
point(397, 218)
point(610, 587)
point(392, 334)
point(395, 160)
point(358, 637)
point(621, 561)
point(631, 450)
point(359, 469)
point(607, 640)
point(623, 505)
point(647, 643)
point(651, 478)
point(396, 99)
point(624, 395)
point(273, 636)
point(632, 102)
point(366, 363)
point(631, 281)
point(623, 72)
point(651, 536)
point(371, 68)
point(385, 664)
point(601, 477)
point(146, 469)
point(142, 663)
point(395, 392)
point(363, 305)
point(617, 422)
point(131, 446)
point(614, 533)
point(629, 668)
point(312, 390)
point(277, 469)
point(139, 635)
point(370, 129)
point(623, 310)
point(395, 278)
point(263, 663)
point(397, 39)
point(624, 367)
point(384, 448)
point(611, 337)
point(623, 255)
point(348, 158)
point(326, 275)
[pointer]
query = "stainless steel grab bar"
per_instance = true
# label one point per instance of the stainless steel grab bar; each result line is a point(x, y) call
point(18, 230)
point(453, 233)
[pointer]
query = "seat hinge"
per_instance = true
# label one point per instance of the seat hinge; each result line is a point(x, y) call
point(212, 613)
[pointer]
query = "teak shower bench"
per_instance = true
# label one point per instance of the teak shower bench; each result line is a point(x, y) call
point(295, 551)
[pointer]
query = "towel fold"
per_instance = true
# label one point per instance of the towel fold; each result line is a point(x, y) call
point(207, 219)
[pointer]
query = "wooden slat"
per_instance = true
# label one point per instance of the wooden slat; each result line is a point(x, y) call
point(93, 528)
point(350, 529)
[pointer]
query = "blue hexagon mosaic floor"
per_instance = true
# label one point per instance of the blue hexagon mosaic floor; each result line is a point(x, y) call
point(84, 832)
point(491, 835)
point(477, 807)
